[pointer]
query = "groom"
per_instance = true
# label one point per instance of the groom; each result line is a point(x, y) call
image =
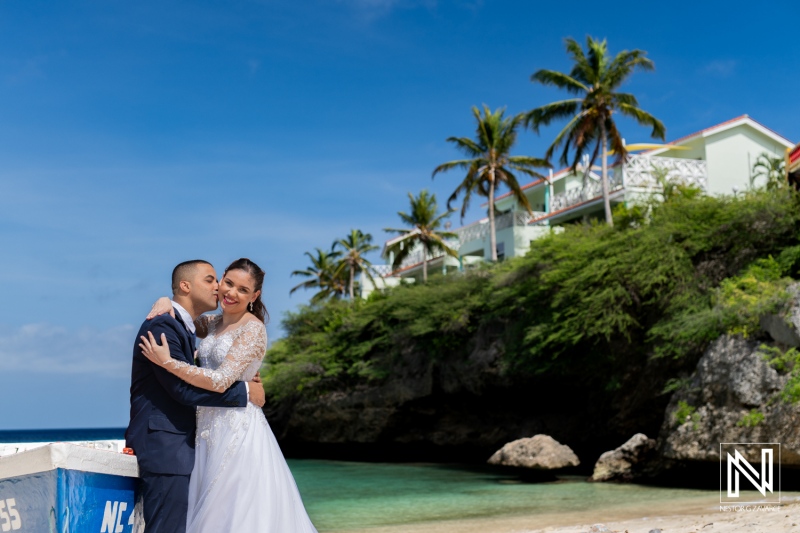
point(162, 424)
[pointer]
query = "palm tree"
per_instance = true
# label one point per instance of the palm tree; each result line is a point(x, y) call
point(355, 246)
point(424, 222)
point(594, 77)
point(772, 169)
point(323, 276)
point(490, 164)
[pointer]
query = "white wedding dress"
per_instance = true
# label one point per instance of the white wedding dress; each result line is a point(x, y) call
point(240, 482)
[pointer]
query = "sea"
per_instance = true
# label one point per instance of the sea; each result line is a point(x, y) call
point(349, 495)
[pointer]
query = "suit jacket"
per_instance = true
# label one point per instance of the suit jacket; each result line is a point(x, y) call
point(162, 423)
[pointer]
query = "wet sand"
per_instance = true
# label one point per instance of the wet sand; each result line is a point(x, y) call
point(698, 517)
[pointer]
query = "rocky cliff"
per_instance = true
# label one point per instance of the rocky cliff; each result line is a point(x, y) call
point(734, 396)
point(457, 409)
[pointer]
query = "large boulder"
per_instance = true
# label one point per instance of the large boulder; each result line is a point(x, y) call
point(540, 452)
point(733, 396)
point(624, 463)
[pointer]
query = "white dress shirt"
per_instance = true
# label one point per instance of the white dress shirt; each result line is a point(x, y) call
point(185, 316)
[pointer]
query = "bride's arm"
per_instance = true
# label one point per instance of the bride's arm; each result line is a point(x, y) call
point(249, 345)
point(164, 305)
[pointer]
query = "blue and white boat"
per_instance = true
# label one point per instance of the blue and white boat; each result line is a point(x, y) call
point(67, 488)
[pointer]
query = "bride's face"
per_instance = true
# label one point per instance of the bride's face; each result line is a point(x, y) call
point(236, 291)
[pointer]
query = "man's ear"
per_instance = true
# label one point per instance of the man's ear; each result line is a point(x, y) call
point(185, 286)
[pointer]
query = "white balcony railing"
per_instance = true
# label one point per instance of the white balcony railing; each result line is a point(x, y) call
point(641, 171)
point(381, 270)
point(480, 229)
point(593, 189)
point(416, 257)
point(472, 232)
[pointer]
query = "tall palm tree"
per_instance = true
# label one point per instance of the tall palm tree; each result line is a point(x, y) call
point(772, 169)
point(490, 164)
point(323, 275)
point(594, 78)
point(355, 245)
point(424, 222)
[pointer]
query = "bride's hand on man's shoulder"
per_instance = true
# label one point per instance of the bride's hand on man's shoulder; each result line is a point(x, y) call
point(162, 305)
point(157, 353)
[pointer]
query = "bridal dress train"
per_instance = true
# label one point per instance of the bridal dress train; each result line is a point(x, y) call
point(240, 481)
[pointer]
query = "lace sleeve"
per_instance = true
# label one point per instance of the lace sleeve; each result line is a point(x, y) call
point(249, 344)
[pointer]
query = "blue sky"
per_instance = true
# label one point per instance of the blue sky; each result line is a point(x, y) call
point(135, 135)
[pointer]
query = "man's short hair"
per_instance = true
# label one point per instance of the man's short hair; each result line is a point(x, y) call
point(184, 271)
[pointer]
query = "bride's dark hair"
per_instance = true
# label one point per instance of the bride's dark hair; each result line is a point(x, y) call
point(257, 274)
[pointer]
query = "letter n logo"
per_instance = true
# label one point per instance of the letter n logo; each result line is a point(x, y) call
point(734, 458)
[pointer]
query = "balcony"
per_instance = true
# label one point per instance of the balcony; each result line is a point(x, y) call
point(475, 231)
point(639, 172)
point(592, 190)
point(480, 229)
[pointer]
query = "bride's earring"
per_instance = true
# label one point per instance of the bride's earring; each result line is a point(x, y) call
point(251, 307)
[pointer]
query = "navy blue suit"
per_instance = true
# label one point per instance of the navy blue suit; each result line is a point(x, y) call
point(162, 425)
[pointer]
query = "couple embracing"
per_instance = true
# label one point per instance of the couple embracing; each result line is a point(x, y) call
point(208, 460)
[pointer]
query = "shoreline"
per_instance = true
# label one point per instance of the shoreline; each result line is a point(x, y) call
point(683, 515)
point(693, 518)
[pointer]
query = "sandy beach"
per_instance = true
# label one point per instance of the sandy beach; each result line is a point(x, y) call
point(701, 518)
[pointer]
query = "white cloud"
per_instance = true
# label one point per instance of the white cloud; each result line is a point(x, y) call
point(375, 8)
point(46, 349)
point(720, 67)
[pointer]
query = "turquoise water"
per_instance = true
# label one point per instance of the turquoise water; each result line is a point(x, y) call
point(347, 495)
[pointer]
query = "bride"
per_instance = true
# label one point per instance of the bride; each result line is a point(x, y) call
point(240, 481)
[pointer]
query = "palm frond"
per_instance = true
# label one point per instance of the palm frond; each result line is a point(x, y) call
point(512, 183)
point(527, 161)
point(645, 119)
point(444, 167)
point(544, 115)
point(466, 145)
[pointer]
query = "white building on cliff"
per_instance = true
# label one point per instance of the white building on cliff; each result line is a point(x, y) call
point(718, 159)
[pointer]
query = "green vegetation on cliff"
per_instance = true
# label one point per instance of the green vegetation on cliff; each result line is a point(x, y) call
point(591, 301)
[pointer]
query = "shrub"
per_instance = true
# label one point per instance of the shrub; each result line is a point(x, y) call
point(686, 413)
point(590, 302)
point(751, 419)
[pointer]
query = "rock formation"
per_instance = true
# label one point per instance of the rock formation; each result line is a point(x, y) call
point(733, 396)
point(626, 462)
point(540, 452)
point(455, 408)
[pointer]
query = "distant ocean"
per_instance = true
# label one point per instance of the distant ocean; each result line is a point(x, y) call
point(60, 435)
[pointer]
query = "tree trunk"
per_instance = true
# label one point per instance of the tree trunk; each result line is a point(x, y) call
point(424, 266)
point(492, 236)
point(352, 281)
point(606, 198)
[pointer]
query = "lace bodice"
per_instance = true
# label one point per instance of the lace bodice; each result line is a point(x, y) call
point(235, 355)
point(213, 349)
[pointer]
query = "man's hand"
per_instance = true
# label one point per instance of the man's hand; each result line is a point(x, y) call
point(256, 395)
